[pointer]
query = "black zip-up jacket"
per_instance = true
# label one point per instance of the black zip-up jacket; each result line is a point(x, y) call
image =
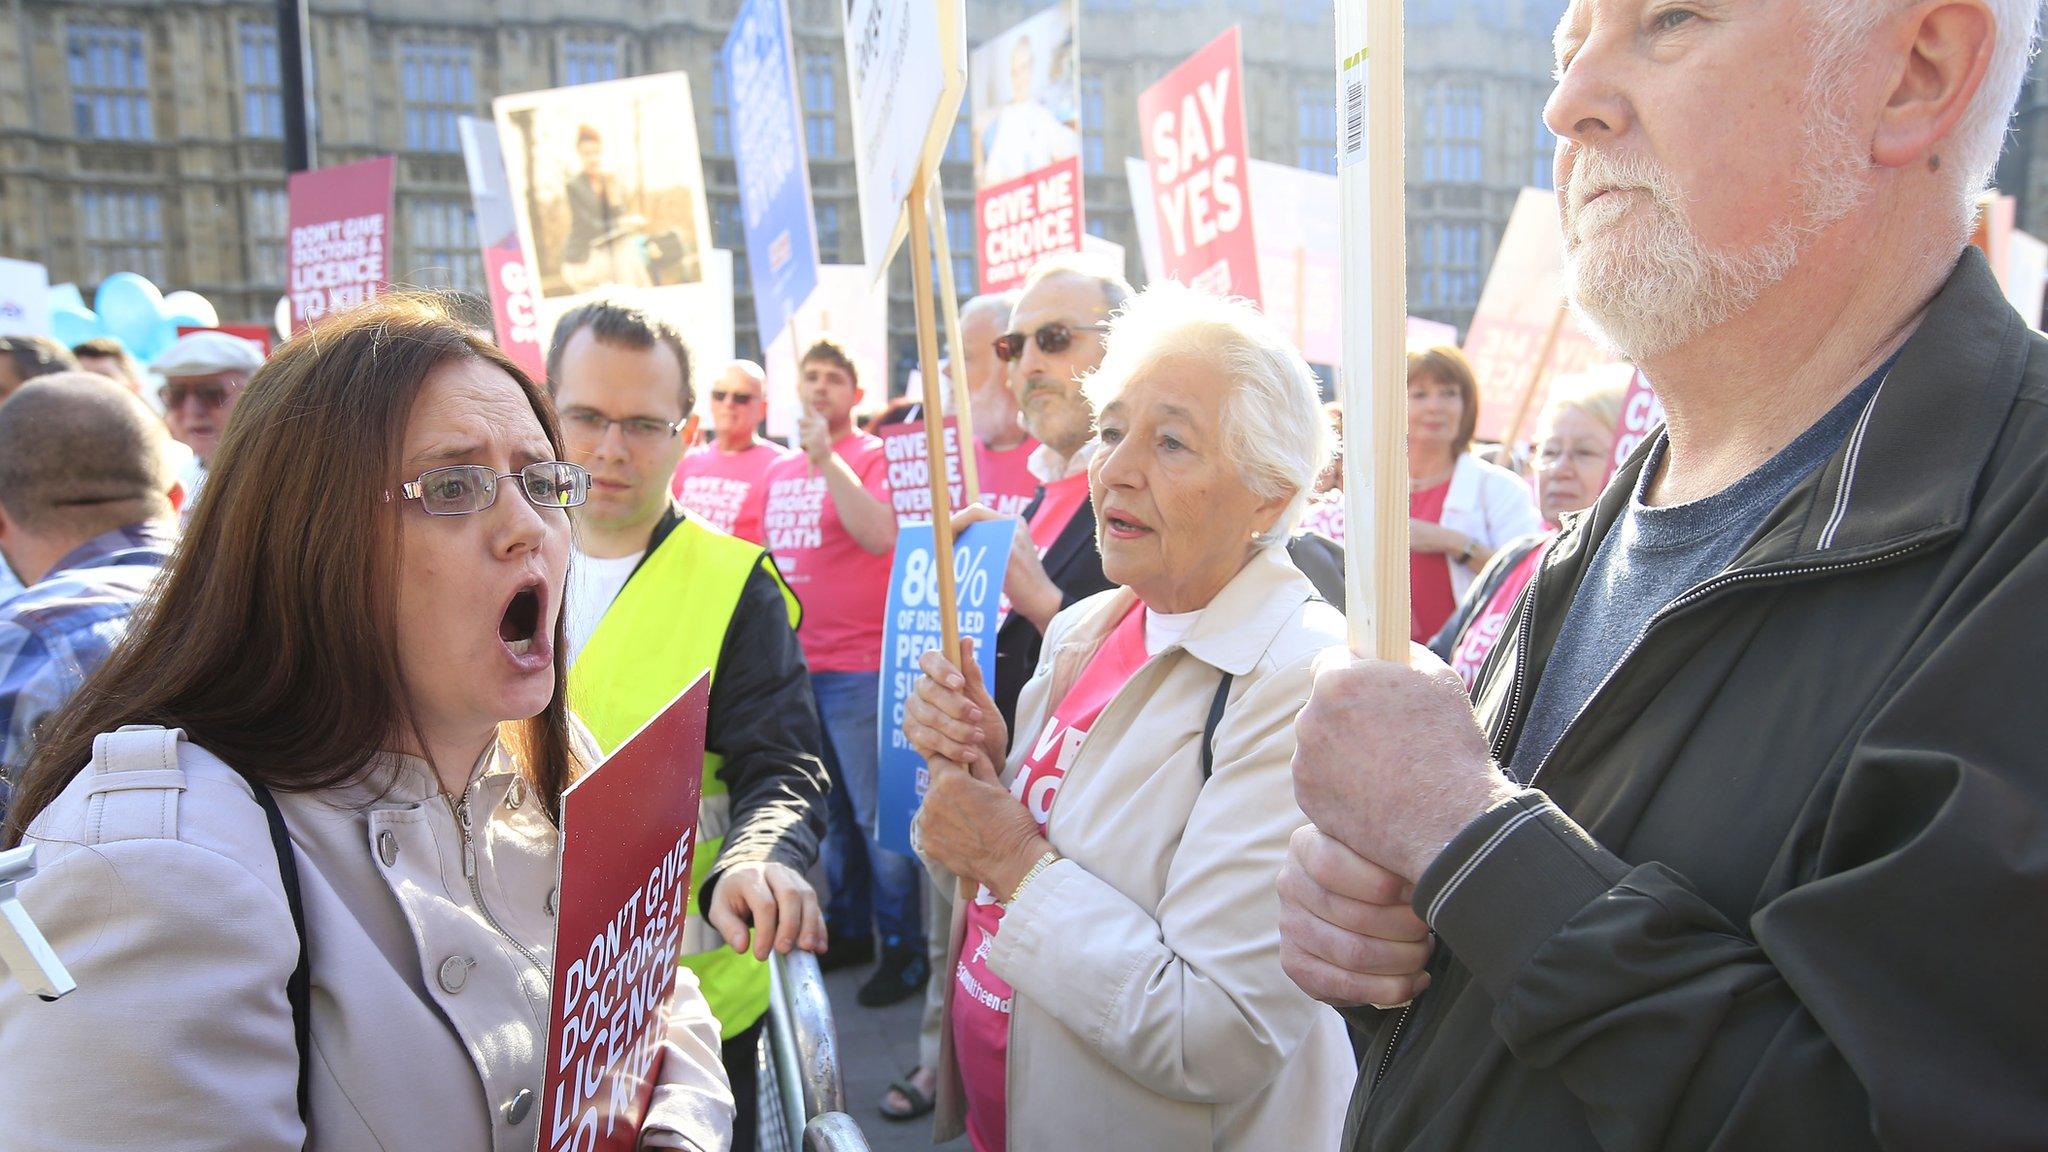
point(1783, 884)
point(765, 724)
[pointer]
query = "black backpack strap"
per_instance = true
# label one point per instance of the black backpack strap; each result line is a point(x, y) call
point(298, 989)
point(1209, 727)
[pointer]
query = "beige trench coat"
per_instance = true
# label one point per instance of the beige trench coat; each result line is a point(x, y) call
point(1150, 1009)
point(158, 887)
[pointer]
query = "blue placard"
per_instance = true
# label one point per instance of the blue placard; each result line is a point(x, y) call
point(911, 629)
point(768, 157)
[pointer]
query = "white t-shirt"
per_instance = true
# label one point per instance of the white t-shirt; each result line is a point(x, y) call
point(1163, 630)
point(593, 584)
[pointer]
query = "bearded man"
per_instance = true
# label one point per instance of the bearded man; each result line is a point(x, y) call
point(1743, 848)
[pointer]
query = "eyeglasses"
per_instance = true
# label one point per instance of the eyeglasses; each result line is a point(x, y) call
point(1053, 339)
point(589, 426)
point(733, 397)
point(208, 395)
point(461, 489)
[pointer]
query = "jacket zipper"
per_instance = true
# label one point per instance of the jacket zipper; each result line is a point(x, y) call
point(461, 813)
point(1393, 1040)
point(1685, 600)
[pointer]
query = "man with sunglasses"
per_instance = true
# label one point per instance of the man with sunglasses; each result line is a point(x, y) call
point(655, 597)
point(721, 482)
point(204, 373)
point(1054, 339)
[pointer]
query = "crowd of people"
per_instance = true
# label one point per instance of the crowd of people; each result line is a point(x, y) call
point(1706, 813)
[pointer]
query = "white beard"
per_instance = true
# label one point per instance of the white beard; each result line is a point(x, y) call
point(1642, 282)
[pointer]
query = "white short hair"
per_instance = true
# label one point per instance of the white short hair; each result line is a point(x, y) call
point(1843, 25)
point(1275, 430)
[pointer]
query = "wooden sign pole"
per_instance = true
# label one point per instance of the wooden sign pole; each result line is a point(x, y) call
point(1374, 380)
point(934, 421)
point(1529, 386)
point(949, 311)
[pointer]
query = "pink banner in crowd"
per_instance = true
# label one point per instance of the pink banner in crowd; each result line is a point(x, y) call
point(1641, 415)
point(1026, 220)
point(339, 245)
point(910, 486)
point(1192, 125)
point(513, 305)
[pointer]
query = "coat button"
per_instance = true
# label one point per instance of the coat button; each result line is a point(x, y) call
point(455, 973)
point(514, 797)
point(517, 1108)
point(549, 904)
point(387, 848)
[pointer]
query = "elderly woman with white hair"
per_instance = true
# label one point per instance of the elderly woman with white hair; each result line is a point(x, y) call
point(1115, 981)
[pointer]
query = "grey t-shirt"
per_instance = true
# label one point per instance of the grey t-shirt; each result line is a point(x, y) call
point(1652, 556)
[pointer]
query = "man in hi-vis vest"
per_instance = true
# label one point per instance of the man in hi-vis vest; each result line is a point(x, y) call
point(655, 597)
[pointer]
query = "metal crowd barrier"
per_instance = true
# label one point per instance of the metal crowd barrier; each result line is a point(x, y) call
point(803, 1093)
point(834, 1132)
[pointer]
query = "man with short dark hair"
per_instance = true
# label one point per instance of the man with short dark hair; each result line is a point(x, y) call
point(85, 522)
point(109, 357)
point(656, 597)
point(833, 532)
point(23, 358)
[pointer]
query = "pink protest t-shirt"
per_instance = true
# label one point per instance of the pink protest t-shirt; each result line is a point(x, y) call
point(981, 1003)
point(725, 489)
point(844, 588)
point(1484, 630)
point(1007, 484)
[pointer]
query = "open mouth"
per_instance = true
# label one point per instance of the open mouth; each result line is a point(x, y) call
point(1123, 527)
point(519, 627)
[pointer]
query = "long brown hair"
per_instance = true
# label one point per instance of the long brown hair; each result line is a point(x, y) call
point(270, 637)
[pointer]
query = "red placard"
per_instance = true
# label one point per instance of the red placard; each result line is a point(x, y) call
point(1192, 125)
point(338, 251)
point(1027, 219)
point(910, 485)
point(513, 302)
point(629, 829)
point(1641, 415)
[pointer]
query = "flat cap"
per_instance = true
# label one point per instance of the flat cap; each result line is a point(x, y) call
point(205, 353)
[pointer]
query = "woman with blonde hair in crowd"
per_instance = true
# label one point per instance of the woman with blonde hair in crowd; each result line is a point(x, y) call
point(1575, 437)
point(1115, 981)
point(299, 836)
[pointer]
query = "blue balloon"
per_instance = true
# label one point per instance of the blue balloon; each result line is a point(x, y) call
point(74, 325)
point(132, 310)
point(155, 341)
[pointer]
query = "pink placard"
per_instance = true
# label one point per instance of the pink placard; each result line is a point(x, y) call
point(339, 247)
point(1027, 219)
point(629, 831)
point(1192, 126)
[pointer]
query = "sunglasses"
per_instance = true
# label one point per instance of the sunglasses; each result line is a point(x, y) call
point(208, 395)
point(733, 397)
point(1053, 339)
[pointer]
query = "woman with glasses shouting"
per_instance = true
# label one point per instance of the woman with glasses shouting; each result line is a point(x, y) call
point(299, 833)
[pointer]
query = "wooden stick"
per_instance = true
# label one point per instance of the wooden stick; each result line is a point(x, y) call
point(934, 420)
point(949, 311)
point(1543, 352)
point(1375, 373)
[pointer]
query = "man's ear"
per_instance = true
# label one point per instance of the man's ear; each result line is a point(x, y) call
point(1946, 48)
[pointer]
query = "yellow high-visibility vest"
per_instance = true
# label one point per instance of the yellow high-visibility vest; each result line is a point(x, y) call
point(667, 626)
